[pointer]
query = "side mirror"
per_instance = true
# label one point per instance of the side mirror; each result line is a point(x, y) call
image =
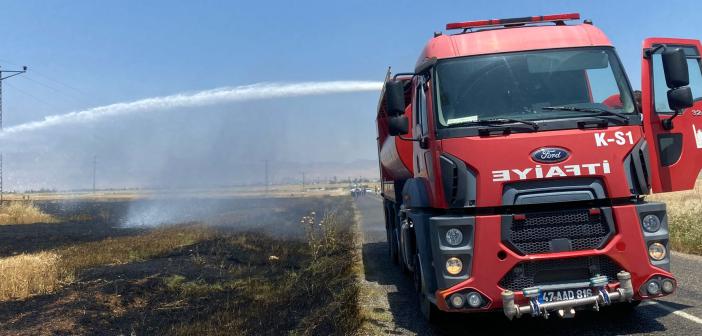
point(398, 125)
point(675, 68)
point(680, 98)
point(395, 98)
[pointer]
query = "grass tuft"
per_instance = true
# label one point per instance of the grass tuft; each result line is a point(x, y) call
point(25, 275)
point(22, 212)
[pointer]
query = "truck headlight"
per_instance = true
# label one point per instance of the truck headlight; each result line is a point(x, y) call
point(454, 237)
point(474, 300)
point(457, 300)
point(653, 287)
point(454, 266)
point(651, 223)
point(657, 251)
point(668, 286)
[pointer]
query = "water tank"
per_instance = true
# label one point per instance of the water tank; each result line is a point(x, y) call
point(396, 157)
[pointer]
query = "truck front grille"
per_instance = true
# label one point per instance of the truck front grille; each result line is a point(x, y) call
point(557, 271)
point(567, 230)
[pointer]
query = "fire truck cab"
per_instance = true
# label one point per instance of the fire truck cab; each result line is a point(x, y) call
point(515, 160)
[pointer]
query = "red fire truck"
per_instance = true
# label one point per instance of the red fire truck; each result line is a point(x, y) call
point(515, 160)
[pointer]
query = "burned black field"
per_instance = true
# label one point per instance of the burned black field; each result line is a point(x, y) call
point(182, 266)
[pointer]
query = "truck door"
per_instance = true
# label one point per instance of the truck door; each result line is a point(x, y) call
point(420, 127)
point(675, 152)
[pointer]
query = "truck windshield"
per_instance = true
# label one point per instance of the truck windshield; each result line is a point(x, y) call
point(535, 85)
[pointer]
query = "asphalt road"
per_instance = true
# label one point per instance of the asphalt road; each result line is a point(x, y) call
point(679, 314)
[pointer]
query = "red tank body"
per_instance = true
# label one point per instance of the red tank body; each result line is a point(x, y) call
point(395, 154)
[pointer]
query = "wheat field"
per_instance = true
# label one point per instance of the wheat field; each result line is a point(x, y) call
point(684, 218)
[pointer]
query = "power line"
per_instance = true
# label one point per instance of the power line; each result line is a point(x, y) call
point(10, 73)
point(37, 99)
point(71, 87)
point(49, 78)
point(63, 93)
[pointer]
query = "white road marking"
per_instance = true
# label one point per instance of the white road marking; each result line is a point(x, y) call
point(672, 310)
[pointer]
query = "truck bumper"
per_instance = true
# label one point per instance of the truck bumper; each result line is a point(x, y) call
point(566, 308)
point(491, 261)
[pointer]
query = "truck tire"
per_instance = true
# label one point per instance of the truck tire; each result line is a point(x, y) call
point(391, 238)
point(428, 309)
point(403, 266)
point(404, 259)
point(393, 244)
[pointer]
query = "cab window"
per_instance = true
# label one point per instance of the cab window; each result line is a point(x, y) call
point(420, 106)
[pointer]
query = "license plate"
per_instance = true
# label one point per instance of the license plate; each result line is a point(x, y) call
point(564, 294)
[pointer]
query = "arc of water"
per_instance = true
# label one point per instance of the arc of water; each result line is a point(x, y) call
point(208, 97)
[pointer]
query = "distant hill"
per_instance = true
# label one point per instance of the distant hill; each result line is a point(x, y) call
point(291, 172)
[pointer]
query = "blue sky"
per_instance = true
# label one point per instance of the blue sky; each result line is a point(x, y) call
point(89, 53)
point(107, 52)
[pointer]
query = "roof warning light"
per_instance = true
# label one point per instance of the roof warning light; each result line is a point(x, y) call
point(513, 21)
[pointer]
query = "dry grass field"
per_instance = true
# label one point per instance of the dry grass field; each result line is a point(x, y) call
point(684, 218)
point(286, 190)
point(253, 266)
point(25, 275)
point(23, 212)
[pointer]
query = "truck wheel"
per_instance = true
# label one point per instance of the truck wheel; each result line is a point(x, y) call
point(403, 266)
point(426, 307)
point(393, 245)
point(401, 257)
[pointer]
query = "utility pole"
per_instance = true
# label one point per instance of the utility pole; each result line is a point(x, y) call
point(94, 171)
point(1, 200)
point(303, 181)
point(266, 181)
point(10, 73)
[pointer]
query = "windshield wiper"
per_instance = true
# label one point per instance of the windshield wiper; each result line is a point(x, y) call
point(499, 121)
point(599, 111)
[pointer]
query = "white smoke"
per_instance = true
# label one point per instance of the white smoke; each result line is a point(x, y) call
point(208, 97)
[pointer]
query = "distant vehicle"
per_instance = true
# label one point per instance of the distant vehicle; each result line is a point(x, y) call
point(515, 160)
